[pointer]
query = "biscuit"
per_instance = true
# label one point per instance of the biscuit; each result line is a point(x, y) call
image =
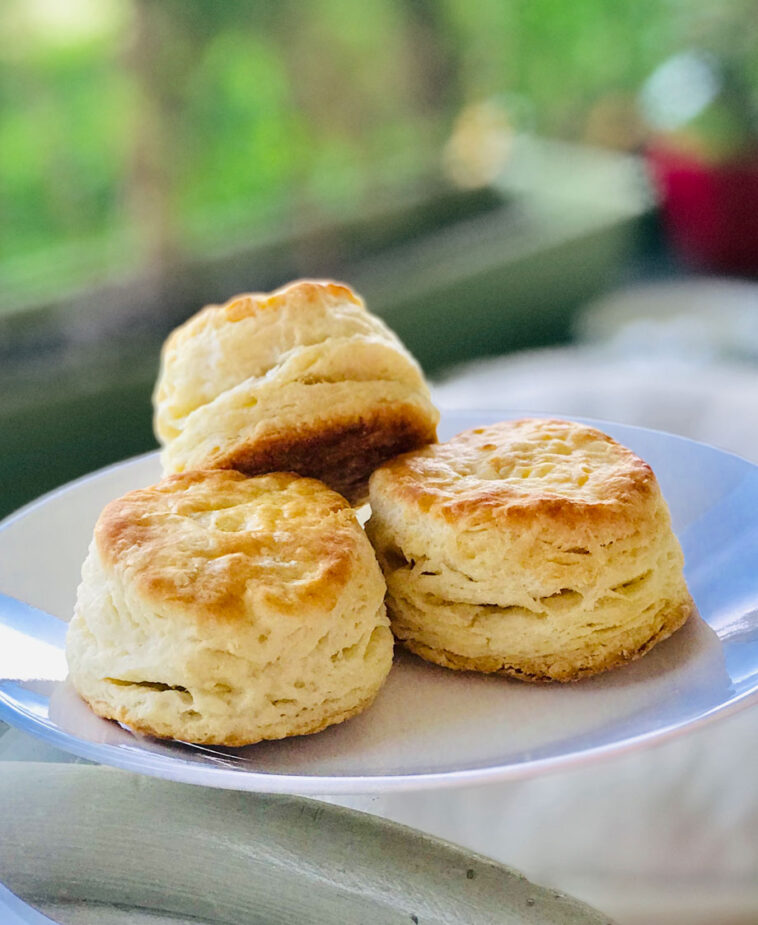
point(541, 549)
point(220, 609)
point(303, 379)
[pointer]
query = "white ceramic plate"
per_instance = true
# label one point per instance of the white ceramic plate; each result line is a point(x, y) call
point(429, 727)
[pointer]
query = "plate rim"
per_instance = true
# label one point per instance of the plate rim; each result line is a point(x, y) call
point(169, 768)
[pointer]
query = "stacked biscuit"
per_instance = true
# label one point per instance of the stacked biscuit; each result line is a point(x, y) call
point(239, 599)
point(304, 379)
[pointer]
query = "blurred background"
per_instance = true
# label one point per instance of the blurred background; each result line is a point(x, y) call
point(480, 172)
point(554, 204)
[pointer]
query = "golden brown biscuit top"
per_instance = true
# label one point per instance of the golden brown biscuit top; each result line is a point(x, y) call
point(301, 292)
point(301, 295)
point(557, 469)
point(214, 542)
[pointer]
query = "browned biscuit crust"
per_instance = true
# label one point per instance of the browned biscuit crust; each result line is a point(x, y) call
point(443, 481)
point(183, 543)
point(343, 453)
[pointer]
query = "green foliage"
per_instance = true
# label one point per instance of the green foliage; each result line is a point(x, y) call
point(208, 117)
point(64, 147)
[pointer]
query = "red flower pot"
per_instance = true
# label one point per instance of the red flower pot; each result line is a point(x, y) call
point(710, 210)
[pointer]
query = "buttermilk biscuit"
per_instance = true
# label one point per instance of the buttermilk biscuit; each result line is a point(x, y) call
point(303, 379)
point(541, 549)
point(216, 608)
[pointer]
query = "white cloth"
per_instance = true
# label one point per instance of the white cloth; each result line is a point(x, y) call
point(715, 402)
